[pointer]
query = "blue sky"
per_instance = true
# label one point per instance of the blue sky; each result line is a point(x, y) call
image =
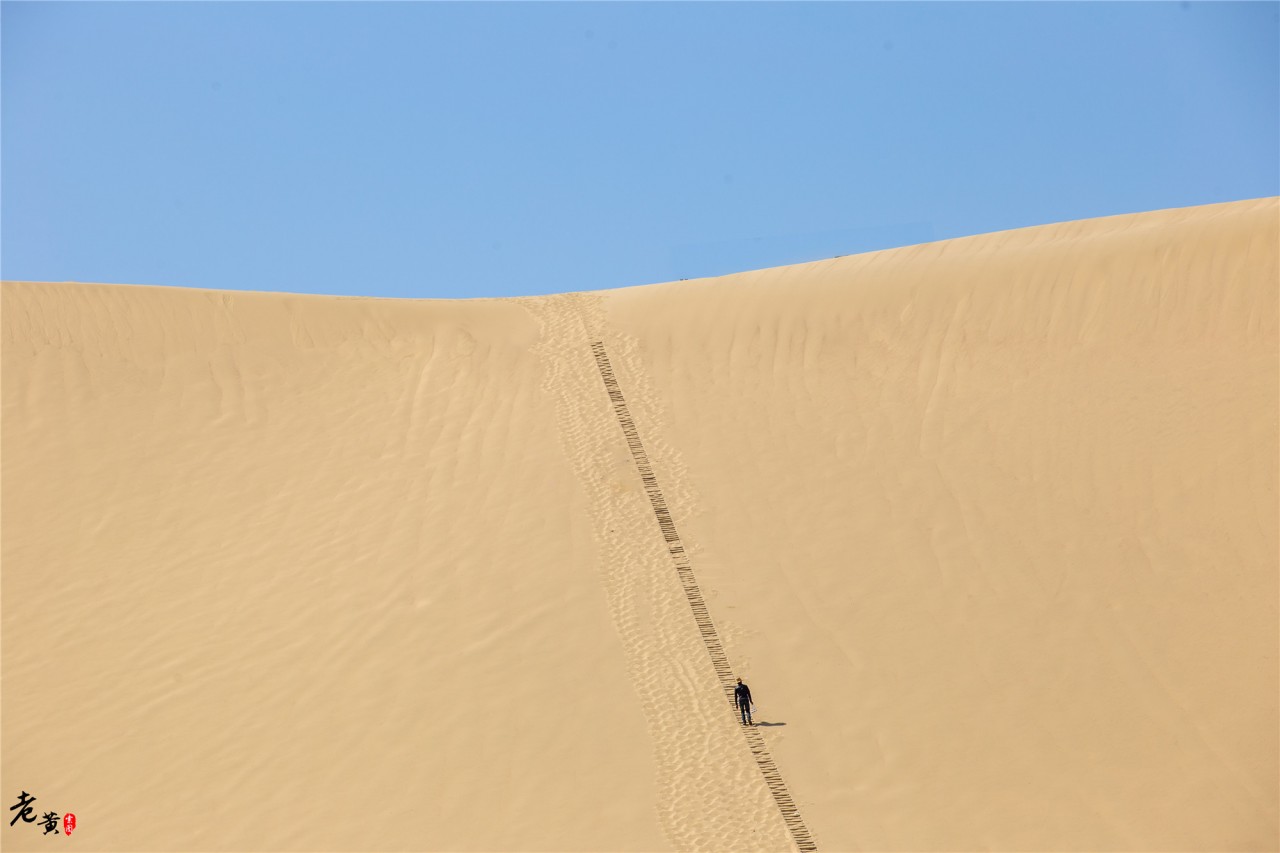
point(493, 149)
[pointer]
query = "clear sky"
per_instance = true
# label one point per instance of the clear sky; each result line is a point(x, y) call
point(492, 149)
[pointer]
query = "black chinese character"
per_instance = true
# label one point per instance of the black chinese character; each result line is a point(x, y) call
point(50, 823)
point(24, 803)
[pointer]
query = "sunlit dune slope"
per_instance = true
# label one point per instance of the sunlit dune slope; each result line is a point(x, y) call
point(988, 525)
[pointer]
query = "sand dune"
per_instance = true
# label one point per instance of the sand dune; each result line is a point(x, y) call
point(988, 525)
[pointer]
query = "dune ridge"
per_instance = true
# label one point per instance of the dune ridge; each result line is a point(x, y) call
point(989, 526)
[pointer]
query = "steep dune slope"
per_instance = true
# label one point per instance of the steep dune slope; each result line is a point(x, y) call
point(296, 573)
point(993, 526)
point(989, 526)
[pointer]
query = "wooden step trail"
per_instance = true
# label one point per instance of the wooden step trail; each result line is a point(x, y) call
point(755, 741)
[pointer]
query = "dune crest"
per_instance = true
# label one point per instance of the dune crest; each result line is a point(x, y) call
point(988, 525)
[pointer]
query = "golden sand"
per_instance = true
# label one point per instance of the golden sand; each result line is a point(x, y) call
point(989, 526)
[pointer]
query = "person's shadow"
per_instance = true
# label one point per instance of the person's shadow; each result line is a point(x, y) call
point(763, 723)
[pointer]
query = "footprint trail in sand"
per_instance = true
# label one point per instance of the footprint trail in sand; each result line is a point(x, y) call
point(713, 794)
point(777, 787)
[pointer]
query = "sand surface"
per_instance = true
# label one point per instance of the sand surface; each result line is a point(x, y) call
point(990, 526)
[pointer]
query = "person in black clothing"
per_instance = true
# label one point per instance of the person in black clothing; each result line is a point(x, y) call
point(742, 698)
